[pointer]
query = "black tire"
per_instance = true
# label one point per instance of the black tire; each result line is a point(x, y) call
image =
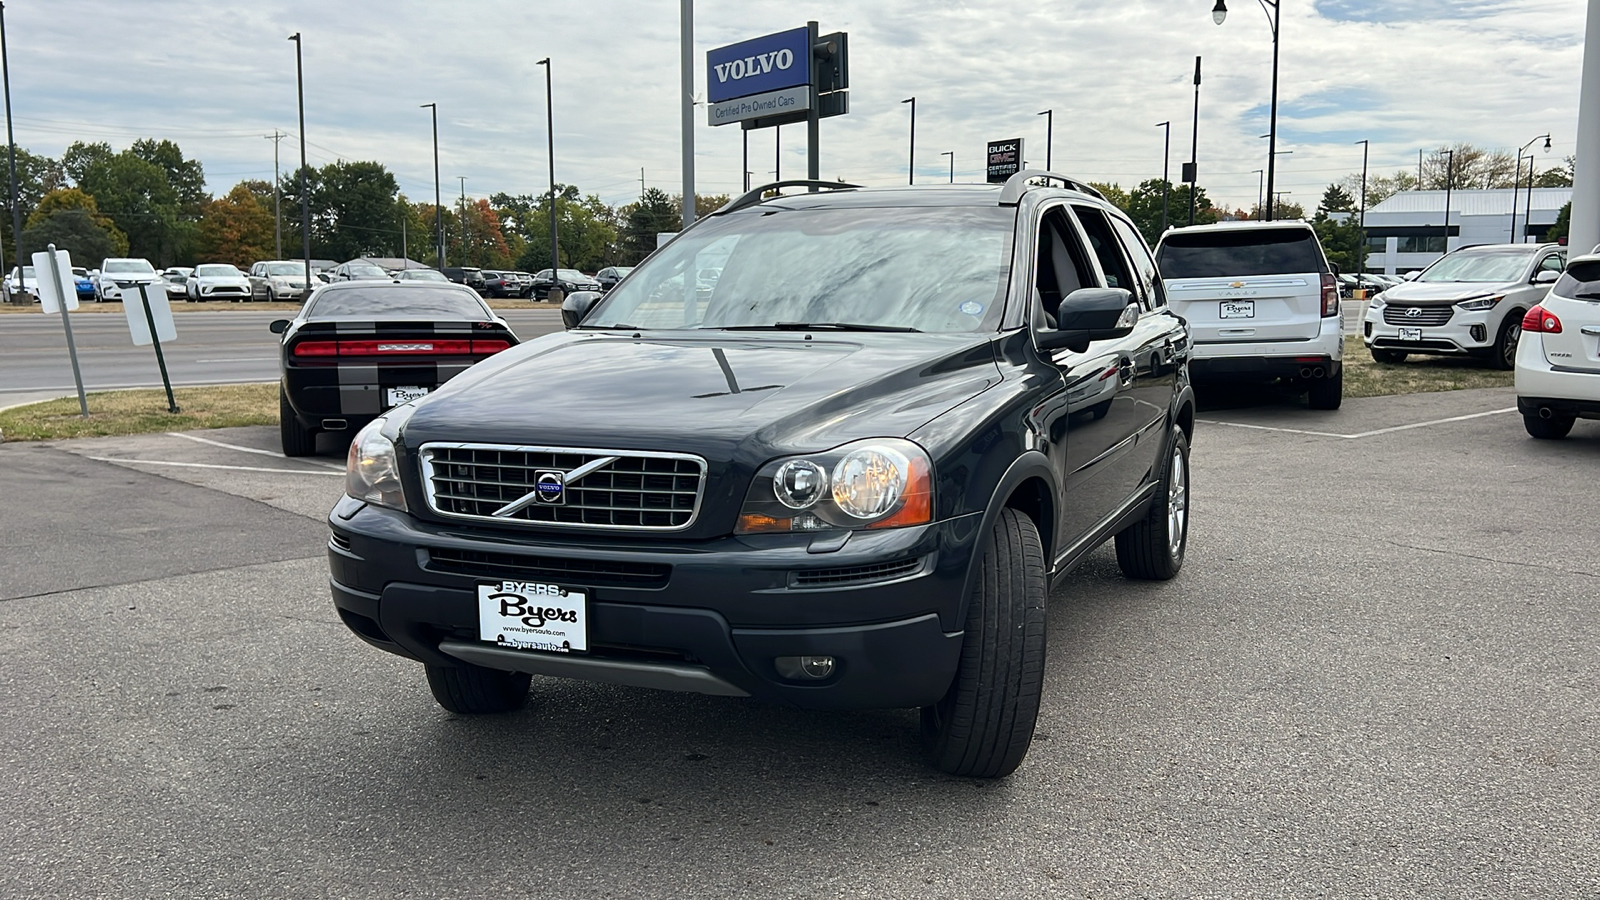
point(1388, 356)
point(1552, 429)
point(297, 439)
point(1326, 393)
point(1152, 549)
point(474, 690)
point(983, 725)
point(1504, 355)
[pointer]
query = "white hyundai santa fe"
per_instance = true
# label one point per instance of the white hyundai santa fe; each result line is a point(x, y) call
point(1558, 359)
point(1470, 302)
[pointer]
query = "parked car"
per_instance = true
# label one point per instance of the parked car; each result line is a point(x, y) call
point(1469, 302)
point(847, 480)
point(433, 276)
point(570, 281)
point(359, 270)
point(501, 284)
point(276, 280)
point(83, 283)
point(1263, 303)
point(175, 283)
point(610, 275)
point(524, 283)
point(22, 282)
point(358, 348)
point(1558, 356)
point(468, 275)
point(217, 281)
point(118, 274)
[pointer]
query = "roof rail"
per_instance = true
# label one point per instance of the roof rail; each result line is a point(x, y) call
point(1018, 184)
point(753, 196)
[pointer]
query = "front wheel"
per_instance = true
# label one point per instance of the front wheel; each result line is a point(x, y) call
point(1552, 429)
point(1152, 548)
point(474, 690)
point(1504, 356)
point(983, 725)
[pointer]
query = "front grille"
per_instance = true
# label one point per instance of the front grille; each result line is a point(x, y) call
point(854, 574)
point(338, 540)
point(1426, 315)
point(636, 490)
point(550, 569)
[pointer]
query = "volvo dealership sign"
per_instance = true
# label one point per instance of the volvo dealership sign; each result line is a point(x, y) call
point(763, 77)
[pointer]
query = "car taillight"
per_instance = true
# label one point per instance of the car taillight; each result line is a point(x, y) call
point(1330, 295)
point(1541, 320)
point(400, 348)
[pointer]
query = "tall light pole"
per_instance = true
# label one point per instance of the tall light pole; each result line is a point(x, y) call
point(1049, 135)
point(911, 164)
point(1261, 186)
point(277, 212)
point(466, 260)
point(952, 155)
point(745, 134)
point(1516, 183)
point(16, 211)
point(1527, 215)
point(438, 211)
point(686, 79)
point(1449, 179)
point(305, 199)
point(1274, 11)
point(1194, 143)
point(1166, 171)
point(1362, 256)
point(550, 130)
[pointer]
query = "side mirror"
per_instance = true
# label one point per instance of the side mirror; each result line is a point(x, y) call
point(577, 305)
point(278, 326)
point(1335, 268)
point(1411, 276)
point(1545, 276)
point(1090, 314)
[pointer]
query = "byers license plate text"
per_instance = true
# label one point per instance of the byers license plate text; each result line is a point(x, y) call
point(525, 615)
point(1237, 309)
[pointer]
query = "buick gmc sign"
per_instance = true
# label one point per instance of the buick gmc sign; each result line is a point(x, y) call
point(765, 76)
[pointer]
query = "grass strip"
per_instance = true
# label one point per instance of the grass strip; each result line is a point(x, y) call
point(143, 411)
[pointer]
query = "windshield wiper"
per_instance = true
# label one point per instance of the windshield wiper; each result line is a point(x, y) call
point(812, 326)
point(614, 327)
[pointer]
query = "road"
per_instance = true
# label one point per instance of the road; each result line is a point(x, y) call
point(1376, 676)
point(212, 348)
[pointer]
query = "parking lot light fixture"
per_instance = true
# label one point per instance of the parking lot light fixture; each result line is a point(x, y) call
point(550, 129)
point(305, 200)
point(11, 141)
point(1516, 183)
point(1274, 11)
point(911, 164)
point(1049, 134)
point(1166, 173)
point(438, 210)
point(1365, 146)
point(952, 155)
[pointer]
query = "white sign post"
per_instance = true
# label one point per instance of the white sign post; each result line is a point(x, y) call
point(54, 297)
point(150, 322)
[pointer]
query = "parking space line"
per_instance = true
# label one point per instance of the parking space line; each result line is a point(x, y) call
point(1364, 434)
point(189, 465)
point(273, 454)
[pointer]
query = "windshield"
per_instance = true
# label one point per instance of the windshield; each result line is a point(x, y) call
point(934, 269)
point(217, 272)
point(423, 275)
point(27, 271)
point(286, 269)
point(573, 275)
point(1581, 281)
point(1229, 254)
point(366, 272)
point(1489, 266)
point(130, 266)
point(397, 301)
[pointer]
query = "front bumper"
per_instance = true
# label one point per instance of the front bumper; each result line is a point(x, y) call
point(1466, 333)
point(708, 616)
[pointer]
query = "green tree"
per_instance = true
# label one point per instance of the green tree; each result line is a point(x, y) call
point(1144, 207)
point(135, 194)
point(1114, 194)
point(587, 232)
point(653, 213)
point(36, 176)
point(1336, 199)
point(1560, 230)
point(75, 231)
point(1343, 240)
point(355, 211)
point(235, 229)
point(1559, 176)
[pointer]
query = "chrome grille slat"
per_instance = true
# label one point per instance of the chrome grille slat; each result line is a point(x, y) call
point(637, 491)
point(1426, 316)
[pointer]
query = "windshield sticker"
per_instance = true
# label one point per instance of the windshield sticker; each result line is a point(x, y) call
point(971, 307)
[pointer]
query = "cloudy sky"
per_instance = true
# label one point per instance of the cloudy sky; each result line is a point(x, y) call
point(218, 75)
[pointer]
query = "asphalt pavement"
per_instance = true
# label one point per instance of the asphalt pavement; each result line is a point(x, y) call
point(212, 348)
point(1378, 675)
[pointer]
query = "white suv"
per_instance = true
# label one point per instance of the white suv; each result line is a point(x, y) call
point(1262, 302)
point(120, 274)
point(1469, 302)
point(1558, 358)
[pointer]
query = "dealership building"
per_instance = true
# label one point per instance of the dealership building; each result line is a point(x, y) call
point(1407, 231)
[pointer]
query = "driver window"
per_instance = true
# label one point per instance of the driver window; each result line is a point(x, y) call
point(1104, 244)
point(1551, 263)
point(1061, 267)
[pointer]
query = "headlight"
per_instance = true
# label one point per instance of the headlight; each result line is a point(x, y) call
point(1375, 301)
point(876, 483)
point(1480, 303)
point(372, 473)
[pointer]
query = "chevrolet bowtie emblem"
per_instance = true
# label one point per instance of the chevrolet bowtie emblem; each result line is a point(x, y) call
point(1237, 284)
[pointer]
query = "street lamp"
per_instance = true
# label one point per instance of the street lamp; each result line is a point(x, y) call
point(1516, 182)
point(550, 129)
point(438, 211)
point(1449, 179)
point(1049, 135)
point(1365, 146)
point(911, 164)
point(1261, 184)
point(1166, 171)
point(952, 155)
point(305, 199)
point(16, 211)
point(1274, 11)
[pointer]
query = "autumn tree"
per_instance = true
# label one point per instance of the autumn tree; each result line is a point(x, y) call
point(1145, 204)
point(235, 229)
point(478, 240)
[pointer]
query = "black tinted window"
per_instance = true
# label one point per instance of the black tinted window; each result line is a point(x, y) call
point(1226, 254)
point(396, 301)
point(1581, 281)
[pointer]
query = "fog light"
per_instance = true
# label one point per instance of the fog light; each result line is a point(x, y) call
point(1479, 333)
point(807, 668)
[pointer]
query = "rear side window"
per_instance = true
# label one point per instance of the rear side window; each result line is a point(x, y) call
point(1581, 281)
point(397, 302)
point(1225, 254)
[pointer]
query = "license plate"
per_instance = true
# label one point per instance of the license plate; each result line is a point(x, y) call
point(399, 395)
point(1237, 309)
point(525, 615)
point(1411, 334)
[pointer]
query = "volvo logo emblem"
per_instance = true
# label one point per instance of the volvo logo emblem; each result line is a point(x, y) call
point(1413, 312)
point(750, 66)
point(550, 486)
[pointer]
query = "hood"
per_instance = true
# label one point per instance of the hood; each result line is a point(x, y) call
point(132, 277)
point(727, 397)
point(1443, 293)
point(219, 279)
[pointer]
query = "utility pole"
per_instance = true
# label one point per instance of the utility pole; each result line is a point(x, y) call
point(305, 199)
point(550, 128)
point(464, 258)
point(277, 212)
point(1166, 183)
point(1361, 275)
point(1449, 178)
point(16, 211)
point(438, 209)
point(686, 75)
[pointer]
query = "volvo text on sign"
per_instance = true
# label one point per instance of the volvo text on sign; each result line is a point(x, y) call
point(759, 78)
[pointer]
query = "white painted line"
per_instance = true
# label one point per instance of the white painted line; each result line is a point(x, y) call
point(1363, 434)
point(271, 453)
point(162, 462)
